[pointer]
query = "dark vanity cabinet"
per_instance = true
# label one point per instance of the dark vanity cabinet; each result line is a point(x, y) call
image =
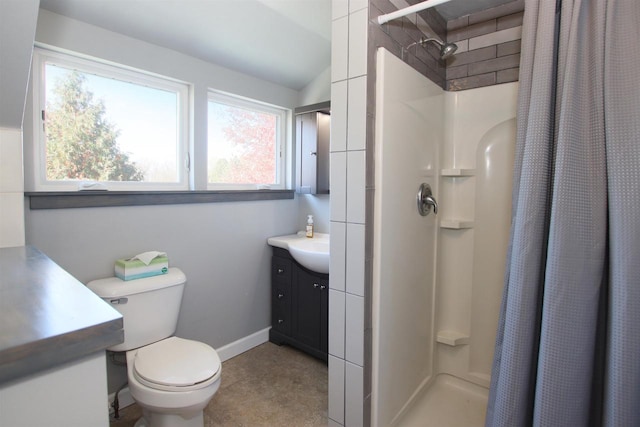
point(299, 306)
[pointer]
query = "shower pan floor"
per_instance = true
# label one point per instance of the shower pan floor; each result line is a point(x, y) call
point(448, 402)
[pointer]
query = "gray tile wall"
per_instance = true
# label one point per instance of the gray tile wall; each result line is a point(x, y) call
point(489, 47)
point(488, 44)
point(398, 34)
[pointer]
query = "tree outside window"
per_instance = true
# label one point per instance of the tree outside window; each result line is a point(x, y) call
point(243, 142)
point(81, 143)
point(100, 122)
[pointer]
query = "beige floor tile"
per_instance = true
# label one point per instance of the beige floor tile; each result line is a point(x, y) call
point(267, 386)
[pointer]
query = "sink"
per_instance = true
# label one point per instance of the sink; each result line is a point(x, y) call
point(312, 253)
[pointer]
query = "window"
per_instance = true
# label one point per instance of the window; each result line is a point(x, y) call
point(245, 143)
point(100, 122)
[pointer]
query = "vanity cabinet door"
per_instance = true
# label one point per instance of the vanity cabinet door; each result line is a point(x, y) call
point(307, 309)
point(312, 152)
point(310, 309)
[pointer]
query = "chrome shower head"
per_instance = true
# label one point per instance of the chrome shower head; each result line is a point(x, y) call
point(446, 49)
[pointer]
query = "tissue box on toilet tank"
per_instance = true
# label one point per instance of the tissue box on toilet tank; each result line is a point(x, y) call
point(146, 264)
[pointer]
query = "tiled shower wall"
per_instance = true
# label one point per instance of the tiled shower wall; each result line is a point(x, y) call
point(348, 151)
point(399, 37)
point(488, 54)
point(488, 43)
point(488, 47)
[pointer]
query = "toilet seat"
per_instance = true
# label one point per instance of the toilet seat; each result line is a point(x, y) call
point(176, 364)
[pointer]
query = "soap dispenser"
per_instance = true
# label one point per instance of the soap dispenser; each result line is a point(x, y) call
point(309, 226)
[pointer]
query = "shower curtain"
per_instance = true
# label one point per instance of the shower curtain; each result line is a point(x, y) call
point(568, 344)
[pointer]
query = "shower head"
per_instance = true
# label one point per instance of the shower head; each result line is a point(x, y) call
point(446, 49)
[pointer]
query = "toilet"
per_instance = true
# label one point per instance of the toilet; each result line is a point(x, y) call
point(171, 378)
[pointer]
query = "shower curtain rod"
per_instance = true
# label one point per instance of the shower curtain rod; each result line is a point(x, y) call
point(410, 9)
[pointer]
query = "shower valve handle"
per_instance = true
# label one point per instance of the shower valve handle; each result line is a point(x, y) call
point(430, 201)
point(426, 200)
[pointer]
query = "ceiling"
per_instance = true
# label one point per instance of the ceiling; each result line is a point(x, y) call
point(287, 42)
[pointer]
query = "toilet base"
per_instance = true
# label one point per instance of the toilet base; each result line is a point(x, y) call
point(161, 408)
point(156, 419)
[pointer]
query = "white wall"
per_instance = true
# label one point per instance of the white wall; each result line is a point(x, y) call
point(11, 189)
point(480, 137)
point(319, 90)
point(71, 395)
point(409, 133)
point(17, 28)
point(453, 333)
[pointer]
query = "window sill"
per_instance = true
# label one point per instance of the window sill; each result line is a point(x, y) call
point(95, 199)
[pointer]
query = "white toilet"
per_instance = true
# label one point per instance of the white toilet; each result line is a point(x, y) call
point(171, 378)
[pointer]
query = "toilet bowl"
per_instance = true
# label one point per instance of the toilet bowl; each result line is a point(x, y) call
point(171, 378)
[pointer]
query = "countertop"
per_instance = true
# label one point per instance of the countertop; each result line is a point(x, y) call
point(283, 241)
point(47, 317)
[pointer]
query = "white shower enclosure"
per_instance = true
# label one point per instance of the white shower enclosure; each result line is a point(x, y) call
point(437, 279)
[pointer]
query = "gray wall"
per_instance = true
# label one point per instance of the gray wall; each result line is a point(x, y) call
point(221, 247)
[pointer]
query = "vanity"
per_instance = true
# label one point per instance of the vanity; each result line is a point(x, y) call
point(300, 293)
point(53, 336)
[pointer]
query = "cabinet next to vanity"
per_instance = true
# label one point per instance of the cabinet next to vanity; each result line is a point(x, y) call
point(299, 305)
point(53, 335)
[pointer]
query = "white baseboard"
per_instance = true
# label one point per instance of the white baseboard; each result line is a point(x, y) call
point(243, 344)
point(124, 399)
point(225, 352)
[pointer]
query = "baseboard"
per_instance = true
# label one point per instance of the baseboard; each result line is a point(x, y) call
point(225, 353)
point(124, 399)
point(235, 348)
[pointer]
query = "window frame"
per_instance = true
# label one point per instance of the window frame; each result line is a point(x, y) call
point(282, 137)
point(43, 55)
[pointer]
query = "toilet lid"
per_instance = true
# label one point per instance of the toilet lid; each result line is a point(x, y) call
point(176, 362)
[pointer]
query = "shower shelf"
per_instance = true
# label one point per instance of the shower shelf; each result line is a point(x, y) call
point(452, 338)
point(456, 224)
point(457, 172)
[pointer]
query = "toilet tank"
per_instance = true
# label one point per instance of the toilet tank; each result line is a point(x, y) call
point(149, 306)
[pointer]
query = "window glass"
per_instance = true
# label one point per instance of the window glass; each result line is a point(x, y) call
point(119, 127)
point(244, 143)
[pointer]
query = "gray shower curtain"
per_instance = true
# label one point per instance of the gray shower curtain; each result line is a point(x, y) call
point(568, 344)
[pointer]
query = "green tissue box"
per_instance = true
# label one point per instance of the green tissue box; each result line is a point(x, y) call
point(133, 268)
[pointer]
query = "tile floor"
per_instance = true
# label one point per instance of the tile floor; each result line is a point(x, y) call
point(267, 386)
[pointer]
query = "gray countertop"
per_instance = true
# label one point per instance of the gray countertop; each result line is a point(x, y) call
point(47, 317)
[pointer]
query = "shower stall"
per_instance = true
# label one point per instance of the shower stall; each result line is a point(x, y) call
point(437, 279)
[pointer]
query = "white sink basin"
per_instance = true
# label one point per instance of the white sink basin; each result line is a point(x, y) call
point(312, 253)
